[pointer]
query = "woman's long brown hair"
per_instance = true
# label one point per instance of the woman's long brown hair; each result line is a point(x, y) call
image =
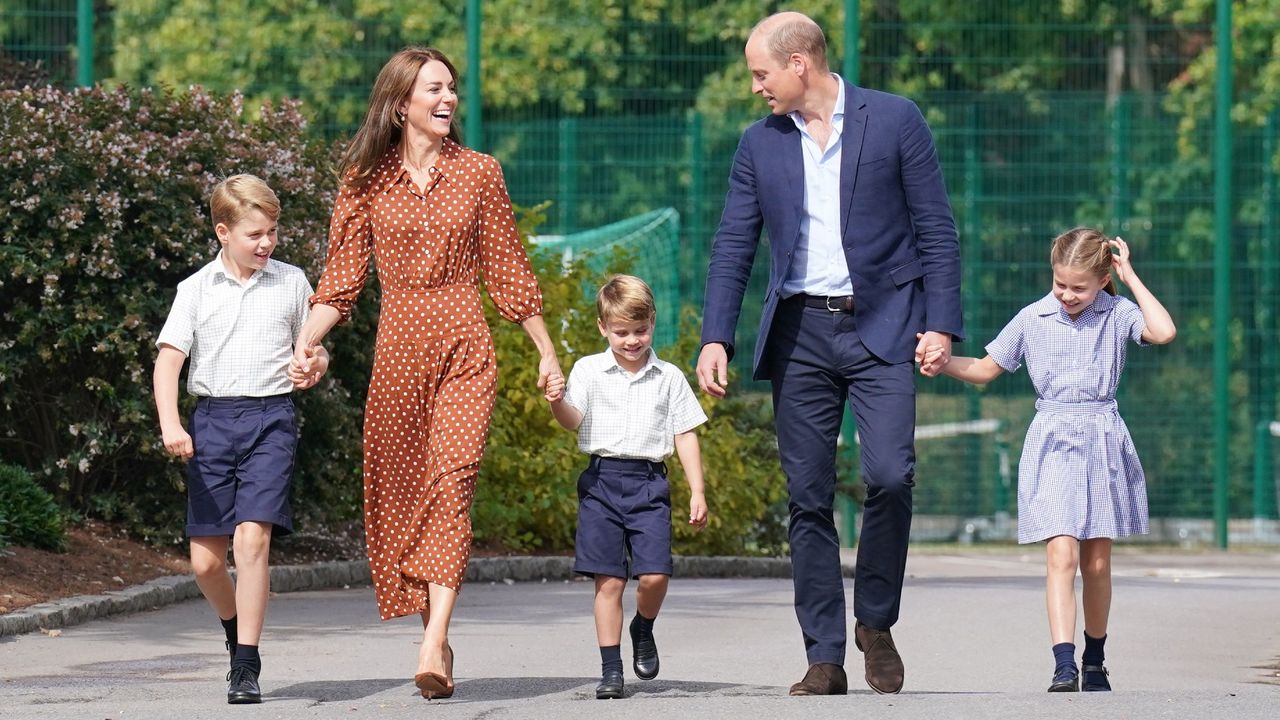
point(382, 127)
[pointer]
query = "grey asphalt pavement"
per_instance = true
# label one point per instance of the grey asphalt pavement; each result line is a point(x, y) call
point(1192, 636)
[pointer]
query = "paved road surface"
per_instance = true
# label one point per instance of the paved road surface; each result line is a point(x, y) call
point(1192, 636)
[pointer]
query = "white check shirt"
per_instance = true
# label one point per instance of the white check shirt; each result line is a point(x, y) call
point(631, 416)
point(239, 337)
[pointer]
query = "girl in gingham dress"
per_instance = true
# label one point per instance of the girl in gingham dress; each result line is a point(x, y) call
point(1080, 484)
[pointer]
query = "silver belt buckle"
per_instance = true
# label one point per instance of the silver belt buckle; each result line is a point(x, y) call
point(827, 300)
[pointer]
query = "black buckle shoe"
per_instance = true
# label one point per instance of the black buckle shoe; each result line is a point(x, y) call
point(610, 687)
point(1065, 679)
point(1094, 679)
point(243, 686)
point(644, 652)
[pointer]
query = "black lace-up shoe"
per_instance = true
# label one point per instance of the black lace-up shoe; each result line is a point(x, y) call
point(243, 686)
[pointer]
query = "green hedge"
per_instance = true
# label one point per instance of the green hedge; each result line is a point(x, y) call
point(29, 516)
point(103, 197)
point(103, 210)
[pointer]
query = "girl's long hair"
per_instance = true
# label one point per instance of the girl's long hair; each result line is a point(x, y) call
point(1086, 249)
point(382, 127)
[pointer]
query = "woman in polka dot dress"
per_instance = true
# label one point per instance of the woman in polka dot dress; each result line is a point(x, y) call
point(438, 218)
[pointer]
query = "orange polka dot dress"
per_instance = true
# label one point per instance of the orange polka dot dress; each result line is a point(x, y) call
point(434, 371)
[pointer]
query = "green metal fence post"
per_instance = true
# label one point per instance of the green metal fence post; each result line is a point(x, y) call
point(568, 174)
point(969, 253)
point(1004, 473)
point(1120, 132)
point(475, 114)
point(849, 508)
point(852, 33)
point(84, 42)
point(1222, 216)
point(696, 238)
point(1264, 489)
point(847, 505)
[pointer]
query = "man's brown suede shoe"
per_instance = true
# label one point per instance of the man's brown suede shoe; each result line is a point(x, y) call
point(822, 679)
point(885, 673)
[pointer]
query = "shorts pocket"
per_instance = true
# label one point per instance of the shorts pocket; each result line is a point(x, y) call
point(586, 480)
point(659, 490)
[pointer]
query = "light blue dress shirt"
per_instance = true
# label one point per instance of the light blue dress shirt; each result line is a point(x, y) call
point(818, 266)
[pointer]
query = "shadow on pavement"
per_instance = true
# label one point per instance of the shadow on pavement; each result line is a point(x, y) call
point(500, 689)
point(337, 690)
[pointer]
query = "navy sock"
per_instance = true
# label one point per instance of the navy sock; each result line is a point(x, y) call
point(1093, 654)
point(230, 627)
point(247, 656)
point(611, 658)
point(1064, 656)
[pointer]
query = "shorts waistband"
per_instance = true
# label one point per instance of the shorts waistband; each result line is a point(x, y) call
point(243, 402)
point(1088, 407)
point(613, 463)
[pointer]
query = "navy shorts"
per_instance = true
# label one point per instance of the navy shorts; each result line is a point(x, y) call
point(624, 513)
point(243, 463)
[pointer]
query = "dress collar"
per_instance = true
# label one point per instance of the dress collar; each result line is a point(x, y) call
point(391, 169)
point(1049, 305)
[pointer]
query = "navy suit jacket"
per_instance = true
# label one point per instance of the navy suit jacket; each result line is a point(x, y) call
point(900, 240)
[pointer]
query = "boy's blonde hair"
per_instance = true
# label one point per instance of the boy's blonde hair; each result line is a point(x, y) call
point(237, 195)
point(626, 298)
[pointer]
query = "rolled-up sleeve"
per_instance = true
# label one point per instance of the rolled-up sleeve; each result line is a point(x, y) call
point(504, 264)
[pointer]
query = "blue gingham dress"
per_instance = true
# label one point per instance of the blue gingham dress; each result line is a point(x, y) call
point(1079, 474)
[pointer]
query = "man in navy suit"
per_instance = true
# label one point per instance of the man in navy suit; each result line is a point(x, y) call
point(864, 259)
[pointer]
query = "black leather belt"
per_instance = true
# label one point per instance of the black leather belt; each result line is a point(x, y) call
point(831, 303)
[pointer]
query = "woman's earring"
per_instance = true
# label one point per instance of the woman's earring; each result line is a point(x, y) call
point(399, 119)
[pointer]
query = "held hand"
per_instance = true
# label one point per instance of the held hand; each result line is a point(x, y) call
point(302, 354)
point(316, 361)
point(548, 367)
point(1120, 260)
point(177, 442)
point(554, 391)
point(932, 364)
point(698, 511)
point(933, 352)
point(712, 370)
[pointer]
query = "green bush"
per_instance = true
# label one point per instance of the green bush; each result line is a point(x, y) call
point(29, 516)
point(527, 493)
point(103, 210)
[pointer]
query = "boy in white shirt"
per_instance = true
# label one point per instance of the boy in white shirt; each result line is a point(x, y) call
point(236, 319)
point(630, 410)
